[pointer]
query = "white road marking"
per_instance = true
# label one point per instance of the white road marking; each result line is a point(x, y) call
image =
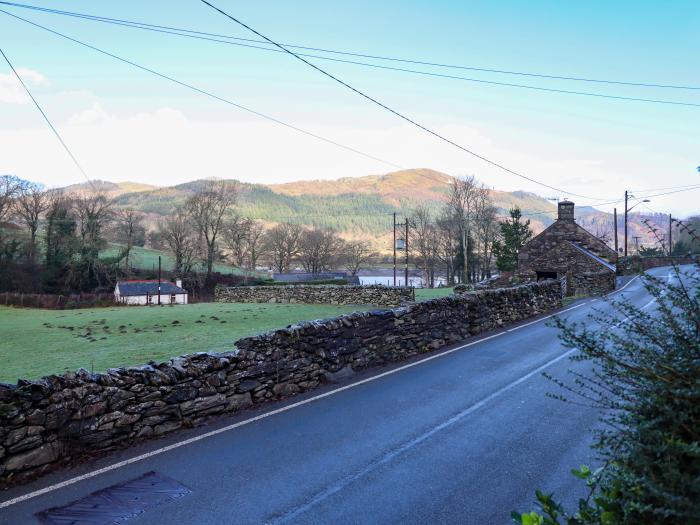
point(341, 484)
point(625, 286)
point(233, 426)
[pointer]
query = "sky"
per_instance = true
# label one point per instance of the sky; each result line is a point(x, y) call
point(125, 124)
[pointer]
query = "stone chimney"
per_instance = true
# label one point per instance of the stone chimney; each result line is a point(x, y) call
point(178, 283)
point(566, 211)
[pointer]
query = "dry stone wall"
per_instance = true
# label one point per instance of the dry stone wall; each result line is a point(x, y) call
point(593, 283)
point(636, 264)
point(49, 422)
point(315, 294)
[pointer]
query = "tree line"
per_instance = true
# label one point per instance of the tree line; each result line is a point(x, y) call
point(465, 239)
point(54, 242)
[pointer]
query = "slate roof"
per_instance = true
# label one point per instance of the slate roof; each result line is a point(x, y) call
point(130, 288)
point(592, 255)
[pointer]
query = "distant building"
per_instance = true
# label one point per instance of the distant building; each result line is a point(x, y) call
point(566, 249)
point(146, 292)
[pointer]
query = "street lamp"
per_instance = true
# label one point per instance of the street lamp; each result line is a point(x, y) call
point(627, 195)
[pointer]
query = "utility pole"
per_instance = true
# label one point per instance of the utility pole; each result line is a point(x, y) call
point(405, 246)
point(159, 279)
point(670, 238)
point(626, 223)
point(615, 229)
point(394, 248)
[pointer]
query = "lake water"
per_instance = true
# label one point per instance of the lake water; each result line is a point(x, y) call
point(388, 280)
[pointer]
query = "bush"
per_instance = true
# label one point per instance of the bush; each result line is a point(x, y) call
point(647, 382)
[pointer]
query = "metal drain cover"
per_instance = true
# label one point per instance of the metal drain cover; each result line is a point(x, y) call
point(118, 503)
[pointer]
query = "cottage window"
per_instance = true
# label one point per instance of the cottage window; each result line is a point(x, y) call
point(149, 299)
point(173, 298)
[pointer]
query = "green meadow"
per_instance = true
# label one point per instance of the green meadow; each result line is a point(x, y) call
point(36, 342)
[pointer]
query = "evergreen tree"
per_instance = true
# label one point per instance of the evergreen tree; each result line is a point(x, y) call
point(60, 243)
point(514, 234)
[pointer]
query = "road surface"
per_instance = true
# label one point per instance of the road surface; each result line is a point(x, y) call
point(463, 438)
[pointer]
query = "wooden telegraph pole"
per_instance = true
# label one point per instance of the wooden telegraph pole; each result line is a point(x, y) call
point(615, 230)
point(626, 223)
point(394, 248)
point(159, 275)
point(405, 247)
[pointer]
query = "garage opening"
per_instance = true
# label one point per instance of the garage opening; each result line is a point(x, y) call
point(546, 275)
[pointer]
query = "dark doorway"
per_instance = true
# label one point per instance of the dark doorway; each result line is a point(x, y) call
point(546, 275)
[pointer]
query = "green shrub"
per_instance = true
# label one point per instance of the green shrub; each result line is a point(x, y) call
point(647, 382)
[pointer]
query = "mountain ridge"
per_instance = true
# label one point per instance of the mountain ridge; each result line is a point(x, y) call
point(357, 207)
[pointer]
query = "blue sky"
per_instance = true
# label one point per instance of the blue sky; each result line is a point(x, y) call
point(126, 125)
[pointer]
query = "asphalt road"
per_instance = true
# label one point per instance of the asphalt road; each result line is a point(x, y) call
point(462, 438)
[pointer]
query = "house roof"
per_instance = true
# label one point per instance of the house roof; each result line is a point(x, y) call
point(592, 255)
point(128, 288)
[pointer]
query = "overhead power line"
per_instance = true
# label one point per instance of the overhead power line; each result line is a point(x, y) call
point(671, 192)
point(46, 118)
point(396, 113)
point(219, 39)
point(665, 188)
point(365, 55)
point(205, 92)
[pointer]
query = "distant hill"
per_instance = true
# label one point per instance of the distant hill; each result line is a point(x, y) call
point(357, 207)
point(110, 189)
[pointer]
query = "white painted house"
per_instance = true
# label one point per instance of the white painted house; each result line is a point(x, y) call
point(146, 292)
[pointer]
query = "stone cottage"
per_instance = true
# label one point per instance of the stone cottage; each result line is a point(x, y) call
point(565, 249)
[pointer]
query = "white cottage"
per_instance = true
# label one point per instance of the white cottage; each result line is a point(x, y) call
point(146, 292)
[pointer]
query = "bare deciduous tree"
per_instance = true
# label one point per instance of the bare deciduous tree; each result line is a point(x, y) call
point(129, 221)
point(282, 243)
point(319, 249)
point(208, 208)
point(448, 235)
point(234, 233)
point(425, 243)
point(256, 246)
point(94, 212)
point(179, 235)
point(604, 232)
point(486, 231)
point(31, 202)
point(9, 188)
point(244, 239)
point(462, 200)
point(356, 254)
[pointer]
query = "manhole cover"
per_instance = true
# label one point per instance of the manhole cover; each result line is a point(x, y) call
point(118, 503)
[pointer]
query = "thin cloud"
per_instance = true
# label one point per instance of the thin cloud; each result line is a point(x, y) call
point(12, 92)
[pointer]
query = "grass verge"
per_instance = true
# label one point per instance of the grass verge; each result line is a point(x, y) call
point(424, 294)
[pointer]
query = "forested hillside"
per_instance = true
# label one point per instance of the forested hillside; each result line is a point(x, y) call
point(357, 207)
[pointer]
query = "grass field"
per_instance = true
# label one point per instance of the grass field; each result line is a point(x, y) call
point(147, 259)
point(38, 342)
point(423, 294)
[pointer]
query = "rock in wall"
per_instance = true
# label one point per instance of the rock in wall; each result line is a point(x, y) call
point(636, 264)
point(593, 283)
point(315, 294)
